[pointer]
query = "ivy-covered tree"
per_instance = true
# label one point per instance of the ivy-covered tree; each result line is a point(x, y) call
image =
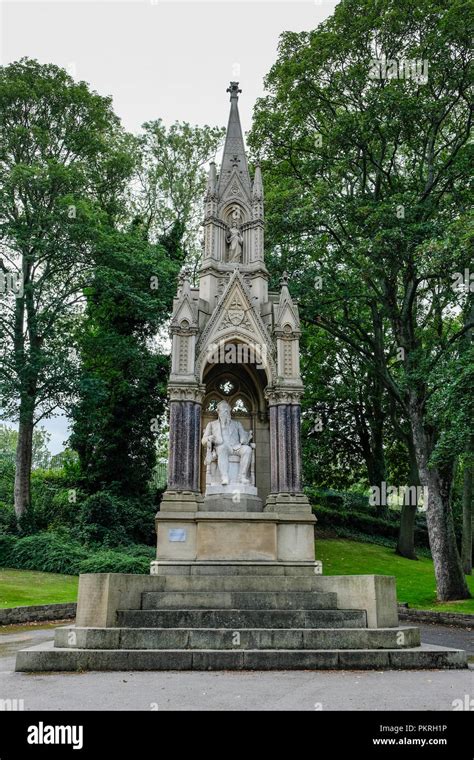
point(122, 388)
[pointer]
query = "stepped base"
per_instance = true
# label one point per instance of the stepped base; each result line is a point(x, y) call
point(48, 658)
point(241, 619)
point(236, 616)
point(71, 637)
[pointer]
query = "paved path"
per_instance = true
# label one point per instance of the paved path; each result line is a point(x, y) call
point(262, 690)
point(446, 636)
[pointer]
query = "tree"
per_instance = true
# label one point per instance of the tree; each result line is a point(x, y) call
point(372, 174)
point(123, 375)
point(122, 393)
point(60, 168)
point(468, 469)
point(40, 455)
point(343, 415)
point(171, 180)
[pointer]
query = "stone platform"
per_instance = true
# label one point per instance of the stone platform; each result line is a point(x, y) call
point(235, 616)
point(202, 536)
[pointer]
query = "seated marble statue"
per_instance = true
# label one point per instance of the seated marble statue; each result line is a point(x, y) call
point(225, 437)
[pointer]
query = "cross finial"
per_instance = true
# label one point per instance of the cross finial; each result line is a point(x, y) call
point(284, 279)
point(234, 90)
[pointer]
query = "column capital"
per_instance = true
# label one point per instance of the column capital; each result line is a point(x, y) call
point(283, 395)
point(183, 392)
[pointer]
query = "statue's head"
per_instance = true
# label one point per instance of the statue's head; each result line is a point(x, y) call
point(223, 411)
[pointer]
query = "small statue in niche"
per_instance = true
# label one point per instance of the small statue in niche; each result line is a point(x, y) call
point(234, 238)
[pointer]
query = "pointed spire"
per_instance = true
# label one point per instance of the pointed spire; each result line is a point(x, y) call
point(257, 194)
point(234, 158)
point(284, 286)
point(211, 180)
point(257, 188)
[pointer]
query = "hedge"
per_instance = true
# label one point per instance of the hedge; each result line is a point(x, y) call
point(367, 523)
point(55, 553)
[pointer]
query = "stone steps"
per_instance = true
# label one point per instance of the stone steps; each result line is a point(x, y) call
point(213, 617)
point(237, 619)
point(44, 658)
point(240, 600)
point(225, 638)
point(277, 583)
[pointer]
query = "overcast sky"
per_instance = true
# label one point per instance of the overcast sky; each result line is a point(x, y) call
point(157, 58)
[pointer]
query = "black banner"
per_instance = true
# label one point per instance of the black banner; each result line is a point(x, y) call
point(378, 734)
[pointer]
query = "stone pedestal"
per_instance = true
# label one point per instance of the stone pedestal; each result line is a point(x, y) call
point(232, 502)
point(235, 536)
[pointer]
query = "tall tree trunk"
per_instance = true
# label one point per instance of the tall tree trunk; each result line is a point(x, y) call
point(376, 476)
point(406, 535)
point(370, 422)
point(23, 460)
point(467, 517)
point(450, 581)
point(467, 504)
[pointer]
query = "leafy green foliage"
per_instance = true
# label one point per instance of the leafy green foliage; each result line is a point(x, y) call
point(49, 552)
point(55, 552)
point(171, 180)
point(110, 520)
point(367, 187)
point(108, 561)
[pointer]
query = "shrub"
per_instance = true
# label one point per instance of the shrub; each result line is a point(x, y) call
point(108, 561)
point(111, 520)
point(50, 499)
point(369, 523)
point(7, 479)
point(48, 552)
point(7, 518)
point(366, 538)
point(6, 547)
point(140, 550)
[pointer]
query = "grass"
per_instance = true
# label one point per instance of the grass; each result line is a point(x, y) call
point(24, 587)
point(415, 580)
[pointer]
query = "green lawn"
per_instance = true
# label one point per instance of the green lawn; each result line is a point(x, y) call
point(24, 587)
point(415, 580)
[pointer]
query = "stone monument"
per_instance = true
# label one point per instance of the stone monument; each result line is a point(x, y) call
point(234, 390)
point(235, 584)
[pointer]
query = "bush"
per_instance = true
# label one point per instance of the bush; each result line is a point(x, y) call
point(7, 479)
point(111, 520)
point(140, 550)
point(369, 523)
point(48, 552)
point(108, 561)
point(6, 547)
point(56, 553)
point(7, 518)
point(367, 538)
point(340, 500)
point(50, 498)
